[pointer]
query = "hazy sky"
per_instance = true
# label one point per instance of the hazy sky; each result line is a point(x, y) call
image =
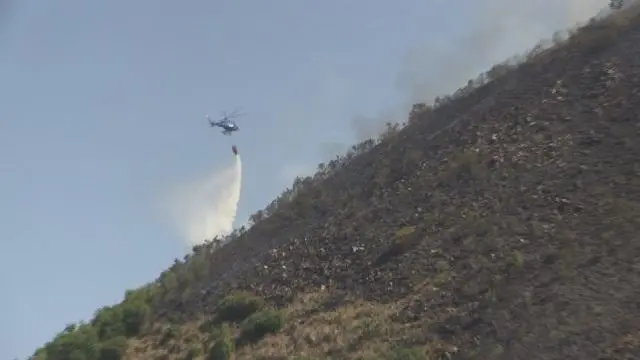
point(102, 115)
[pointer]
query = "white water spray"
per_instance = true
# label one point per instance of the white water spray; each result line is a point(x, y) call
point(207, 208)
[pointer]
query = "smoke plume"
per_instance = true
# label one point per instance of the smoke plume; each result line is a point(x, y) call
point(207, 207)
point(498, 31)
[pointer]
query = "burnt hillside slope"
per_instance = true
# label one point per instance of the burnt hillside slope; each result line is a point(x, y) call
point(503, 224)
point(527, 206)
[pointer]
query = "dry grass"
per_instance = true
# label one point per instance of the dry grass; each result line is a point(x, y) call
point(358, 330)
point(169, 342)
point(350, 329)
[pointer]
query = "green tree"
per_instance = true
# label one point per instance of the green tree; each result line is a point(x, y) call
point(108, 322)
point(80, 343)
point(260, 324)
point(113, 349)
point(224, 347)
point(134, 315)
point(238, 306)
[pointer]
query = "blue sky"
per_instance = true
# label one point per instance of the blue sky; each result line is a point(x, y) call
point(102, 115)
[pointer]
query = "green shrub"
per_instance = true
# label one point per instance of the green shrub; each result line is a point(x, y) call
point(224, 346)
point(168, 334)
point(108, 322)
point(256, 326)
point(134, 315)
point(239, 306)
point(123, 319)
point(74, 343)
point(113, 349)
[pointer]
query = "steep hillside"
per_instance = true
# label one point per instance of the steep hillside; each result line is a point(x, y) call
point(501, 223)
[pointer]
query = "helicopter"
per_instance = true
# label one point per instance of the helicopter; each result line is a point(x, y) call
point(228, 126)
point(616, 4)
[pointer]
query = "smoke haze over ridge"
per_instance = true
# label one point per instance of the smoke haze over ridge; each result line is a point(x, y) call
point(497, 31)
